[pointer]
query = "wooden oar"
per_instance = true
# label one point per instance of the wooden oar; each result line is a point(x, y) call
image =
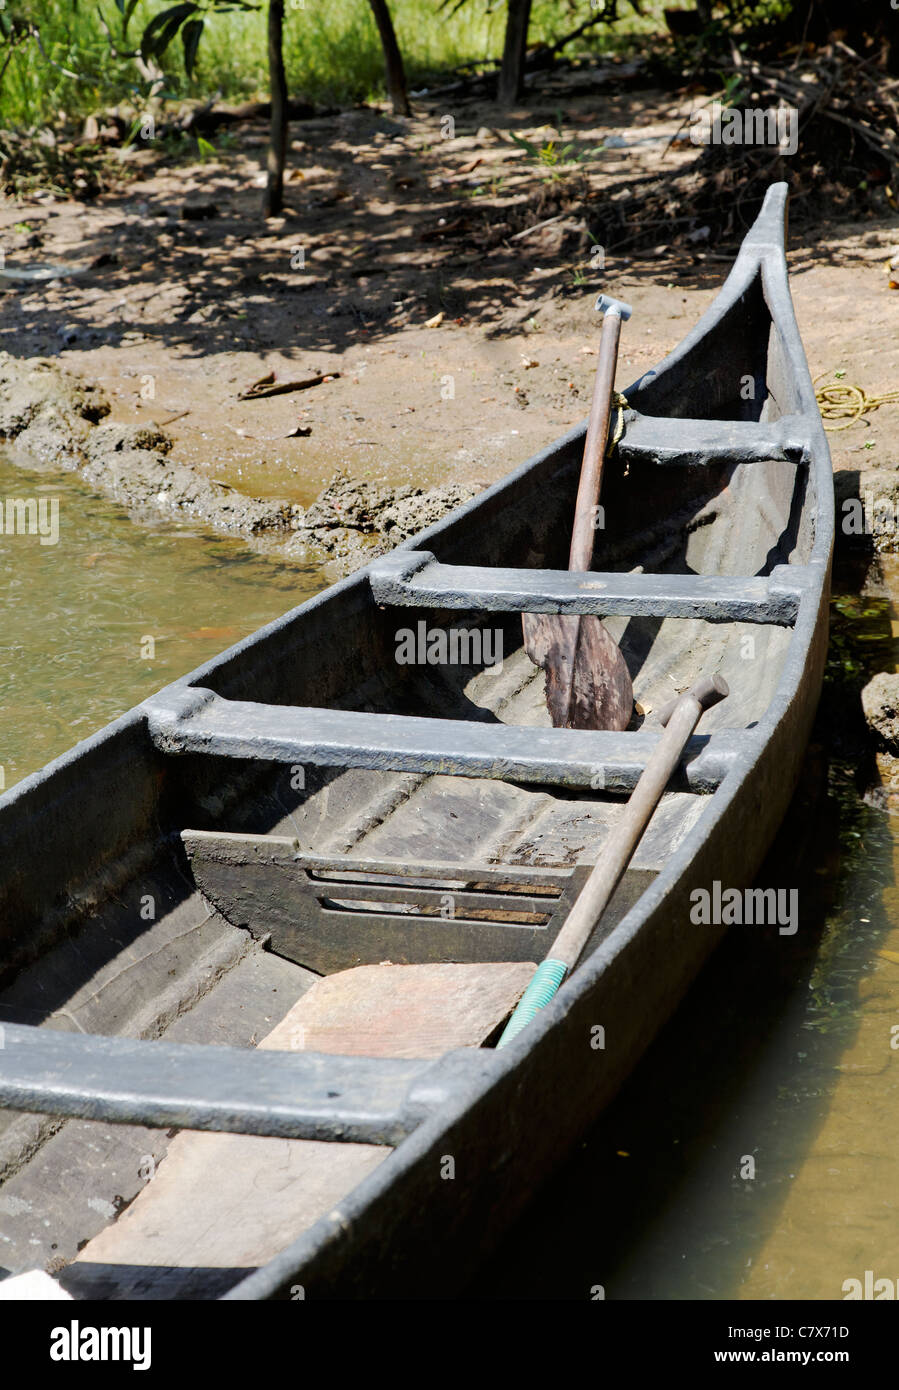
point(587, 681)
point(680, 718)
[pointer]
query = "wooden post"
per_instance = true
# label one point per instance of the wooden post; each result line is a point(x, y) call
point(273, 198)
point(393, 59)
point(511, 74)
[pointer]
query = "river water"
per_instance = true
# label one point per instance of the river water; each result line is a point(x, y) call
point(753, 1155)
point(77, 615)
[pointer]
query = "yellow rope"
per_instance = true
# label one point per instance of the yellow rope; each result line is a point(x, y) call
point(843, 401)
point(620, 403)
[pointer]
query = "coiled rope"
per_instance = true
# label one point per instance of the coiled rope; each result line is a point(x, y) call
point(620, 403)
point(842, 401)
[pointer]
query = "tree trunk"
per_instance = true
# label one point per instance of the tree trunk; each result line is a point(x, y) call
point(393, 59)
point(511, 74)
point(273, 198)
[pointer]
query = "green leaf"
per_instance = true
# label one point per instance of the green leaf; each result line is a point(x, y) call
point(162, 29)
point(205, 147)
point(135, 127)
point(532, 149)
point(190, 38)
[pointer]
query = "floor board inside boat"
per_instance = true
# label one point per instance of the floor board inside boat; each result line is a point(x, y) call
point(85, 1173)
point(230, 1202)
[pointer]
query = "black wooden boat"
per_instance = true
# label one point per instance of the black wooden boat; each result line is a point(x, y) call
point(306, 803)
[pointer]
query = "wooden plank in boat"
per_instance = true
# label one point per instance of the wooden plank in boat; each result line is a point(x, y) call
point(328, 914)
point(230, 1202)
point(405, 1010)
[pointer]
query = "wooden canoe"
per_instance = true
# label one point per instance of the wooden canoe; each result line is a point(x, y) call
point(232, 861)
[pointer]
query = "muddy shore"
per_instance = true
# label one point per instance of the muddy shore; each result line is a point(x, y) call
point(50, 419)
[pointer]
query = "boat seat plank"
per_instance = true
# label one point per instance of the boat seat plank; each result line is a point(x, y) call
point(689, 442)
point(329, 913)
point(231, 1202)
point(191, 719)
point(227, 1089)
point(417, 579)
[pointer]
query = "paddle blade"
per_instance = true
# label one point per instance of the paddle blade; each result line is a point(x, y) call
point(540, 635)
point(602, 695)
point(588, 685)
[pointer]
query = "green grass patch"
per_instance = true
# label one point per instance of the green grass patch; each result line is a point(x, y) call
point(332, 51)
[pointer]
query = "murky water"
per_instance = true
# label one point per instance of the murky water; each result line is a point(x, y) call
point(77, 615)
point(755, 1152)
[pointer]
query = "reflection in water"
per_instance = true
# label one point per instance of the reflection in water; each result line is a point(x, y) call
point(76, 615)
point(779, 1062)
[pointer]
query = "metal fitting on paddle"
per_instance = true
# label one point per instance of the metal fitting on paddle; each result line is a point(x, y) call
point(605, 304)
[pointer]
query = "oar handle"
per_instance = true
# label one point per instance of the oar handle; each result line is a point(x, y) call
point(680, 719)
point(706, 692)
point(583, 535)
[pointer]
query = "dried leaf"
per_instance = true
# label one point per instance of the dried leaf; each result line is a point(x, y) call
point(436, 321)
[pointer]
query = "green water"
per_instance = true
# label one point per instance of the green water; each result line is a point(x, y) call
point(77, 615)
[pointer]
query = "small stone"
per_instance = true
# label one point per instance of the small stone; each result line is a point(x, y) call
point(880, 702)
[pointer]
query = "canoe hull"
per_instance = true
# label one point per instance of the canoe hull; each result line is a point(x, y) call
point(102, 823)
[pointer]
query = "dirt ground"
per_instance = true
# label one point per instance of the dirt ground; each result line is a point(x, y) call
point(453, 346)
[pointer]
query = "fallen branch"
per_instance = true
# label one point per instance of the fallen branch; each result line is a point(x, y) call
point(269, 387)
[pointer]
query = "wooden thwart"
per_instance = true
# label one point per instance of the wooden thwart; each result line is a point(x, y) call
point(331, 913)
point(232, 1201)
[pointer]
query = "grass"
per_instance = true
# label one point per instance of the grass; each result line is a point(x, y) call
point(331, 51)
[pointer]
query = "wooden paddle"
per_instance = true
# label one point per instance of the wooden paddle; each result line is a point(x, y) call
point(679, 718)
point(587, 681)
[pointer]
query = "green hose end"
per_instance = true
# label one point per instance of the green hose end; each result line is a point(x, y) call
point(544, 983)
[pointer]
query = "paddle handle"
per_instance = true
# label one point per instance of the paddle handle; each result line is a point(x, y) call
point(583, 533)
point(617, 851)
